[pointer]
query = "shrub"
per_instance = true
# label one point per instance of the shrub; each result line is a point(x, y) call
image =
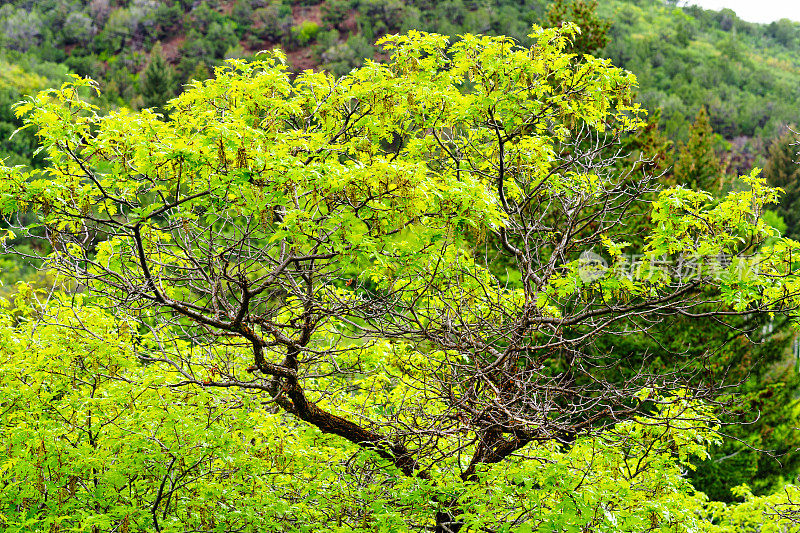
point(305, 32)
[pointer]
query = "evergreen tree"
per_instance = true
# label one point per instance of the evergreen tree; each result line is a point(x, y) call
point(650, 148)
point(594, 30)
point(200, 72)
point(159, 80)
point(697, 165)
point(782, 171)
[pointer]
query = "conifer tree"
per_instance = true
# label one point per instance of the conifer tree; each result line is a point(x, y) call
point(782, 171)
point(697, 165)
point(594, 30)
point(651, 147)
point(159, 80)
point(200, 72)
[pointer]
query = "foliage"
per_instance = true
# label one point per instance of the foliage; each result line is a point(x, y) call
point(685, 59)
point(322, 244)
point(93, 438)
point(334, 12)
point(15, 82)
point(761, 439)
point(341, 58)
point(697, 165)
point(159, 80)
point(271, 22)
point(594, 30)
point(768, 514)
point(783, 171)
point(305, 32)
point(690, 57)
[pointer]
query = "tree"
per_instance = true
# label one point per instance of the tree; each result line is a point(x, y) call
point(15, 81)
point(784, 31)
point(334, 13)
point(305, 32)
point(78, 29)
point(272, 22)
point(697, 165)
point(221, 37)
point(200, 73)
point(159, 80)
point(169, 18)
point(341, 58)
point(594, 30)
point(331, 244)
point(203, 17)
point(782, 171)
point(21, 28)
point(376, 17)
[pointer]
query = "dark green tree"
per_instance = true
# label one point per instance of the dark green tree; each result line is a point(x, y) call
point(784, 31)
point(272, 23)
point(697, 165)
point(221, 38)
point(335, 12)
point(783, 171)
point(594, 30)
point(202, 17)
point(159, 80)
point(761, 443)
point(169, 18)
point(200, 72)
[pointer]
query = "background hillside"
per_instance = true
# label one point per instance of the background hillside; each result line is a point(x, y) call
point(747, 74)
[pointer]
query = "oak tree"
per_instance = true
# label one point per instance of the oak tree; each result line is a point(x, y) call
point(417, 257)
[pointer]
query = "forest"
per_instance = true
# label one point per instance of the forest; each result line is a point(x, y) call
point(383, 265)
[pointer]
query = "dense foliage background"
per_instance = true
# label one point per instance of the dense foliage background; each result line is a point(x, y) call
point(745, 74)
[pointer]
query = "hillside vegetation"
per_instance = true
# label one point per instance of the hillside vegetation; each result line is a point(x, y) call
point(748, 75)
